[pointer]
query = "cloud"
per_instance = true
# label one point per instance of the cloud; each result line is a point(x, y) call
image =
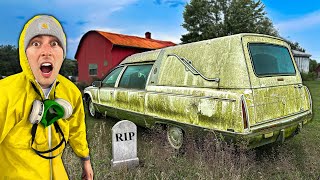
point(103, 28)
point(173, 36)
point(82, 22)
point(83, 15)
point(171, 3)
point(96, 3)
point(72, 43)
point(76, 16)
point(157, 2)
point(300, 24)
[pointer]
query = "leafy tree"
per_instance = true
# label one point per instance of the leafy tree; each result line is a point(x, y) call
point(248, 16)
point(295, 46)
point(205, 19)
point(69, 68)
point(312, 65)
point(198, 17)
point(9, 60)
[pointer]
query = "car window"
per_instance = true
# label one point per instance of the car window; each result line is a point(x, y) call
point(111, 79)
point(271, 59)
point(135, 77)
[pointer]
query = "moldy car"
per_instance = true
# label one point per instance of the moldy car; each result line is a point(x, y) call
point(243, 87)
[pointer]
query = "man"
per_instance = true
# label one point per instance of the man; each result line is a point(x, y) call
point(26, 147)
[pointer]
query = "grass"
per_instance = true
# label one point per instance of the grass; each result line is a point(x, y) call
point(297, 158)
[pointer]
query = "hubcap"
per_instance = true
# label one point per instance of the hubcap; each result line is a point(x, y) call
point(175, 137)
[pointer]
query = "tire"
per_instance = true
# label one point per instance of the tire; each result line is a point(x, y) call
point(175, 136)
point(91, 109)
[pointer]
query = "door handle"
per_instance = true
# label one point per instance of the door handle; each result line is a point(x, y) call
point(298, 86)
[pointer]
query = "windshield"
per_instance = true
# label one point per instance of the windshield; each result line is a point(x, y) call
point(271, 60)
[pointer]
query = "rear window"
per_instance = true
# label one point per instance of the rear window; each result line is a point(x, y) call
point(269, 60)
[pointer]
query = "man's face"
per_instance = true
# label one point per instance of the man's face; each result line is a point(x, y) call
point(45, 57)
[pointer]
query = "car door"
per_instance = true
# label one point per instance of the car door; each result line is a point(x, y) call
point(276, 84)
point(130, 93)
point(106, 92)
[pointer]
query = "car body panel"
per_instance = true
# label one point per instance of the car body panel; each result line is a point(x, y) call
point(197, 106)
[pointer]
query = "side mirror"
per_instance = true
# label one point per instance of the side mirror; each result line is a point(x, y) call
point(97, 84)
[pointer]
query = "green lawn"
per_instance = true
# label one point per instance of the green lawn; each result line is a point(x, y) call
point(297, 158)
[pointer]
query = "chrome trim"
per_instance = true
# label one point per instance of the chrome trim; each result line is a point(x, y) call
point(188, 64)
point(116, 84)
point(310, 97)
point(247, 113)
point(275, 121)
point(191, 96)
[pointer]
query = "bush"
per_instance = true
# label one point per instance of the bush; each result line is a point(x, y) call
point(310, 76)
point(81, 86)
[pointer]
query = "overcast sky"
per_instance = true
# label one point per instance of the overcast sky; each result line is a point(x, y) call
point(295, 20)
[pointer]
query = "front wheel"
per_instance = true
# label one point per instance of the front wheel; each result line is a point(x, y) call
point(175, 136)
point(92, 110)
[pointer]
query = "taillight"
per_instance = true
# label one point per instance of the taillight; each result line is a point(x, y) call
point(244, 114)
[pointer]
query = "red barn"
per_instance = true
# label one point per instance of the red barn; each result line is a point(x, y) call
point(98, 52)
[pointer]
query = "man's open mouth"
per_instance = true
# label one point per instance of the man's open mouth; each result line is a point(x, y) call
point(46, 68)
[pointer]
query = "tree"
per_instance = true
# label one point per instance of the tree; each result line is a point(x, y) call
point(69, 68)
point(295, 46)
point(198, 20)
point(9, 60)
point(313, 64)
point(248, 16)
point(206, 19)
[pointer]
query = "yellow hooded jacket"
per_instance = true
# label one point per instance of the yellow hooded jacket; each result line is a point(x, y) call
point(17, 159)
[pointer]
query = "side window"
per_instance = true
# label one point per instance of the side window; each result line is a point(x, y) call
point(135, 77)
point(93, 69)
point(111, 79)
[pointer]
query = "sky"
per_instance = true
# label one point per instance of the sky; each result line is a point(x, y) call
point(298, 21)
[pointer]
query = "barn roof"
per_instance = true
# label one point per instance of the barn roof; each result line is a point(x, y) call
point(128, 41)
point(134, 41)
point(300, 54)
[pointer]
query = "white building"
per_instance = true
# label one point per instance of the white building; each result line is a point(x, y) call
point(302, 60)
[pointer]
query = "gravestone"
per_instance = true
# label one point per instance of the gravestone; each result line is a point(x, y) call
point(124, 145)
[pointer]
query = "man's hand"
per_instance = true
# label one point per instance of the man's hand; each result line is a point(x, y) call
point(87, 173)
